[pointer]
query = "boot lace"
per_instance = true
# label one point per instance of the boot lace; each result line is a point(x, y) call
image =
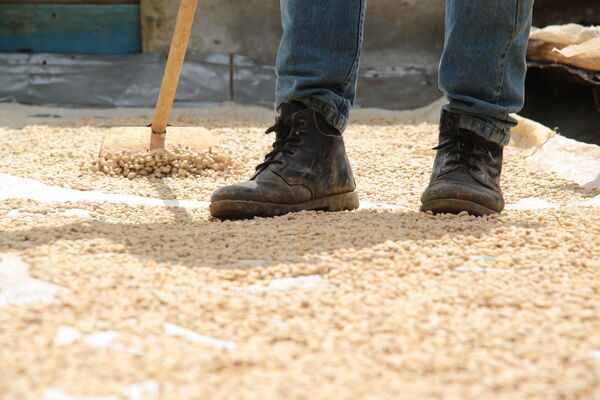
point(286, 139)
point(465, 151)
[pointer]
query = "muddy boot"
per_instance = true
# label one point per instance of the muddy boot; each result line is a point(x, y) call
point(466, 173)
point(306, 170)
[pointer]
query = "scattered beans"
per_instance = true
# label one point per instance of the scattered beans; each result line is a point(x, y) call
point(406, 305)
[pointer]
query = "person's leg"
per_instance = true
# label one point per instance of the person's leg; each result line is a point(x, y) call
point(482, 73)
point(317, 68)
point(319, 55)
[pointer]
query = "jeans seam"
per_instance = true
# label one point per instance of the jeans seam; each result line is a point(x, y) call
point(354, 67)
point(502, 71)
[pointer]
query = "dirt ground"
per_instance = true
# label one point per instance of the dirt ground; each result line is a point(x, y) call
point(122, 301)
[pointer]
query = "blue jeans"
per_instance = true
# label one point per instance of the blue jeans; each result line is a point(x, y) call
point(482, 70)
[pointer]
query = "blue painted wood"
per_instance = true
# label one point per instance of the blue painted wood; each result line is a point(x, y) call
point(70, 29)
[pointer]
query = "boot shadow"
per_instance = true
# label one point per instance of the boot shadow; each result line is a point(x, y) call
point(289, 239)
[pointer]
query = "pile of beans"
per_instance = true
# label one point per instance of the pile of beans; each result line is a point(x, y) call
point(179, 162)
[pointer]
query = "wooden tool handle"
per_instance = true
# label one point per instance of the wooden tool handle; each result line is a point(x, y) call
point(181, 37)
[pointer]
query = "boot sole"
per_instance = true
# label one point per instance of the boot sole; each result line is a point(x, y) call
point(456, 206)
point(225, 209)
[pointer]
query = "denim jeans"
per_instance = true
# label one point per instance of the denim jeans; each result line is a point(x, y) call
point(482, 70)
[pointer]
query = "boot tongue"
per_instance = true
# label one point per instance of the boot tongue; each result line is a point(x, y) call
point(284, 126)
point(287, 110)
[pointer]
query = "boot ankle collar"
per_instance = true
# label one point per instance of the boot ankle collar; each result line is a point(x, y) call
point(449, 121)
point(287, 110)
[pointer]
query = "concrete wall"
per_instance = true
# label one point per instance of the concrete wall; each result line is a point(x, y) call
point(403, 39)
point(397, 32)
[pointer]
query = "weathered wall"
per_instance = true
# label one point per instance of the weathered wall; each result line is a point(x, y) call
point(403, 39)
point(222, 26)
point(403, 42)
point(397, 32)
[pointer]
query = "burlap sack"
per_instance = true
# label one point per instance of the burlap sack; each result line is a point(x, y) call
point(569, 44)
point(585, 55)
point(565, 35)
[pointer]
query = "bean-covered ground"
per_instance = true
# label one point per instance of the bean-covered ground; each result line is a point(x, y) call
point(126, 301)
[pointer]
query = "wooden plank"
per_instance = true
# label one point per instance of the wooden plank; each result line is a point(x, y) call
point(70, 29)
point(69, 1)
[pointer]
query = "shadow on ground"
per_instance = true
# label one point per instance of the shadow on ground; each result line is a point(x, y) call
point(293, 238)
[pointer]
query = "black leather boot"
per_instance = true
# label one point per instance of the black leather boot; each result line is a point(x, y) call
point(466, 172)
point(306, 170)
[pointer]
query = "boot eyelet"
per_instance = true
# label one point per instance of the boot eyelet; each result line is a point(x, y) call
point(301, 123)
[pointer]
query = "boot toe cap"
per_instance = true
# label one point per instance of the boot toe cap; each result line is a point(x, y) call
point(478, 194)
point(244, 191)
point(262, 192)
